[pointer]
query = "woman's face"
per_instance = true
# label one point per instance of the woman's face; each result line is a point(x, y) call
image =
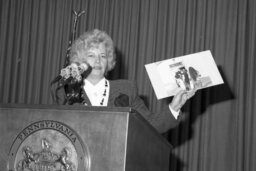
point(96, 57)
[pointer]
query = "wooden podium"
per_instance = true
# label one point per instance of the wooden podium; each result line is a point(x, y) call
point(44, 137)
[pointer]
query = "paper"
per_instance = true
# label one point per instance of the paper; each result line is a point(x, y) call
point(187, 72)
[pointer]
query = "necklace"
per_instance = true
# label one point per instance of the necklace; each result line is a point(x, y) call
point(104, 95)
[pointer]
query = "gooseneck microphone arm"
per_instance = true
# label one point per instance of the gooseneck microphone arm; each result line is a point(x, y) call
point(72, 36)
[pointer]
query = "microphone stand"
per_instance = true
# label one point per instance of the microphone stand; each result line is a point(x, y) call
point(73, 92)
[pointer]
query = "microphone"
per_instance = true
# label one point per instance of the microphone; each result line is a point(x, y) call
point(72, 74)
point(62, 82)
point(64, 74)
point(86, 68)
point(56, 79)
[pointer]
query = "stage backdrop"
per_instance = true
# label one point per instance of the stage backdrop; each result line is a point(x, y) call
point(219, 132)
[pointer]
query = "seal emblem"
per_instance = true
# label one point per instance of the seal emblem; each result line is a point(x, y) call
point(48, 146)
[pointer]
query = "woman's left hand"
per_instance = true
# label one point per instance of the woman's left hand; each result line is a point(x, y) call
point(180, 99)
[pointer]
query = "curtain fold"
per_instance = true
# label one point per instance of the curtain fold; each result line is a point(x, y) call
point(218, 132)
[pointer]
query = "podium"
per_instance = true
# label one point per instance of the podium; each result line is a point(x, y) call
point(49, 137)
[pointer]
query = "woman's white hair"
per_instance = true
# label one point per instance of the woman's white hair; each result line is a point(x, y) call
point(93, 39)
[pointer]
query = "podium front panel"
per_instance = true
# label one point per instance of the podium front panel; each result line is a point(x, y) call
point(102, 133)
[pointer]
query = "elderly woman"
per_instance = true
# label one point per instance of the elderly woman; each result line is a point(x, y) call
point(96, 49)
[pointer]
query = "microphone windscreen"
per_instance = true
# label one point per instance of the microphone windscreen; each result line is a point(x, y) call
point(82, 67)
point(87, 72)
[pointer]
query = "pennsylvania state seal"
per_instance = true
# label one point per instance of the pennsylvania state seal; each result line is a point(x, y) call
point(48, 146)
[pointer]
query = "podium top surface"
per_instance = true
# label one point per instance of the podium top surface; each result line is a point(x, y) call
point(67, 107)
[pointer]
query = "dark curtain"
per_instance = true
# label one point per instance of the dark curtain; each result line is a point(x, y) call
point(219, 130)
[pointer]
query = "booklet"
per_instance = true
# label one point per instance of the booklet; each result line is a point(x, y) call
point(188, 72)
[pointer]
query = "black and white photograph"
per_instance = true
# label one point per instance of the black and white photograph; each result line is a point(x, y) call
point(127, 85)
